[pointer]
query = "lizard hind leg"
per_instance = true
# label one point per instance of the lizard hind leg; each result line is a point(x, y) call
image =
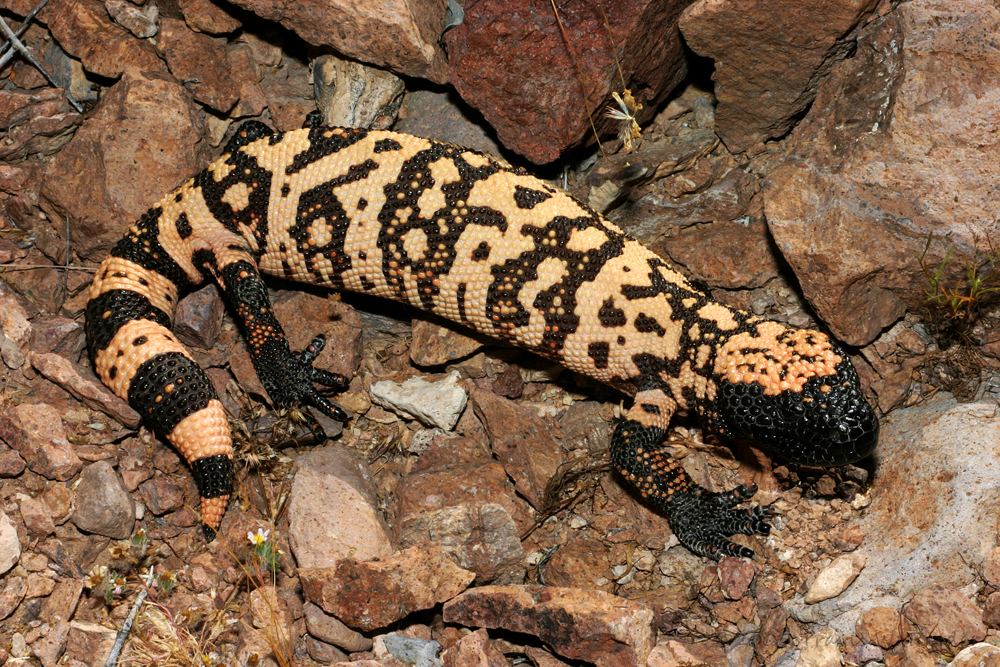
point(701, 519)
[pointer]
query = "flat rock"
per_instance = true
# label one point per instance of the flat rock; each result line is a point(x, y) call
point(881, 626)
point(445, 117)
point(441, 342)
point(578, 624)
point(86, 32)
point(437, 403)
point(36, 431)
point(522, 442)
point(769, 58)
point(10, 547)
point(918, 534)
point(14, 588)
point(307, 315)
point(400, 36)
point(946, 614)
point(373, 594)
point(834, 579)
point(103, 504)
point(202, 61)
point(206, 16)
point(61, 335)
point(36, 515)
point(109, 174)
point(530, 93)
point(836, 207)
point(91, 640)
point(473, 650)
point(81, 383)
point(330, 630)
point(333, 510)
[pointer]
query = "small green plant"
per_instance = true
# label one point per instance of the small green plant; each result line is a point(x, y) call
point(265, 550)
point(962, 302)
point(105, 583)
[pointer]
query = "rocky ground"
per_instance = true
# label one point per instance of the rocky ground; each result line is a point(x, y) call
point(835, 168)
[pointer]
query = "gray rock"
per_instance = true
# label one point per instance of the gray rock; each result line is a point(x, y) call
point(103, 504)
point(932, 519)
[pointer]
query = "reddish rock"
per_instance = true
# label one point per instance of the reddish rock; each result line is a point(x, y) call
point(61, 603)
point(991, 610)
point(522, 442)
point(578, 624)
point(36, 431)
point(330, 630)
point(103, 504)
point(400, 36)
point(11, 464)
point(334, 510)
point(85, 31)
point(289, 92)
point(373, 594)
point(50, 648)
point(13, 592)
point(881, 626)
point(437, 116)
point(947, 614)
point(874, 166)
point(509, 384)
point(770, 57)
point(244, 70)
point(742, 253)
point(162, 495)
point(308, 315)
point(111, 173)
point(80, 382)
point(473, 650)
point(198, 318)
point(206, 16)
point(674, 653)
point(44, 121)
point(772, 627)
point(440, 342)
point(36, 515)
point(59, 500)
point(509, 59)
point(200, 60)
point(90, 640)
point(61, 335)
point(735, 575)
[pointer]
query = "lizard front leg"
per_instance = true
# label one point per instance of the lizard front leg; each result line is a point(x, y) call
point(701, 519)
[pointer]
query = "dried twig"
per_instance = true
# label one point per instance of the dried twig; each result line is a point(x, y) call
point(127, 626)
point(8, 50)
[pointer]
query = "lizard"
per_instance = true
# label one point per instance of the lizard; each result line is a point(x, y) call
point(469, 237)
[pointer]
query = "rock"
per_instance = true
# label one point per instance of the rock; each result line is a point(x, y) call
point(330, 630)
point(864, 654)
point(977, 655)
point(60, 335)
point(473, 650)
point(206, 16)
point(141, 22)
point(482, 538)
point(13, 318)
point(991, 610)
point(441, 342)
point(820, 650)
point(11, 464)
point(61, 603)
point(10, 547)
point(400, 36)
point(444, 117)
point(881, 626)
point(577, 624)
point(314, 315)
point(50, 648)
point(36, 431)
point(742, 253)
point(371, 595)
point(679, 654)
point(198, 318)
point(772, 627)
point(81, 383)
point(90, 640)
point(432, 403)
point(522, 442)
point(201, 62)
point(84, 29)
point(835, 207)
point(36, 515)
point(14, 587)
point(324, 653)
point(162, 495)
point(581, 562)
point(531, 93)
point(44, 119)
point(333, 510)
point(765, 78)
point(834, 579)
point(735, 575)
point(103, 504)
point(109, 174)
point(408, 650)
point(947, 614)
point(350, 94)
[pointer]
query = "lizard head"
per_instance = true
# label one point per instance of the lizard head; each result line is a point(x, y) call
point(792, 391)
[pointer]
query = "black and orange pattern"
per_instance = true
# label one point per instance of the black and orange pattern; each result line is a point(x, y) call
point(471, 238)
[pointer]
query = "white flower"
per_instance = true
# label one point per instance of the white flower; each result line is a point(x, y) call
point(259, 538)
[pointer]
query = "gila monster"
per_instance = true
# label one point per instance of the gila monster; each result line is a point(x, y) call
point(467, 236)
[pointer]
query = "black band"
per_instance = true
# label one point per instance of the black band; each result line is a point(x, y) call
point(168, 388)
point(213, 475)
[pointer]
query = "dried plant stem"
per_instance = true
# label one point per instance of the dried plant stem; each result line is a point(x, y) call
point(34, 62)
point(122, 635)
